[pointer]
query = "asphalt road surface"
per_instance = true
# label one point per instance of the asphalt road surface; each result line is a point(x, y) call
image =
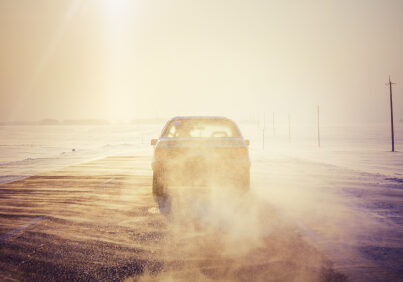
point(99, 221)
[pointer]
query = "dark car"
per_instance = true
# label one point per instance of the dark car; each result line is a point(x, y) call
point(200, 151)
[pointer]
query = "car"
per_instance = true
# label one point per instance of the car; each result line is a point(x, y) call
point(200, 151)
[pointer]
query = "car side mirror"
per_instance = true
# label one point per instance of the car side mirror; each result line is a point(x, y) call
point(154, 142)
point(247, 142)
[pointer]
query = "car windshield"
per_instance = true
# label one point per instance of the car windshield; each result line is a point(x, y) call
point(201, 128)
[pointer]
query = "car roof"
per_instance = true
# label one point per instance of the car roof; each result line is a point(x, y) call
point(199, 117)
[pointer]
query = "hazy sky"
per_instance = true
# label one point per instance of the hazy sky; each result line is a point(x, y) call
point(120, 59)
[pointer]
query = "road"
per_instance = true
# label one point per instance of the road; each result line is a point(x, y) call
point(99, 221)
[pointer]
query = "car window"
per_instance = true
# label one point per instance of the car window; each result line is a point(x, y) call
point(201, 129)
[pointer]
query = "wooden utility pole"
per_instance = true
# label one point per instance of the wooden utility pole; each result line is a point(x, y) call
point(318, 129)
point(391, 115)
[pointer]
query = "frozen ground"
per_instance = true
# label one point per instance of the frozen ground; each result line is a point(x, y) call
point(342, 203)
point(354, 217)
point(361, 147)
point(28, 150)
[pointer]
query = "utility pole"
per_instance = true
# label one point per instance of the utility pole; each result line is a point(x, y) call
point(318, 129)
point(391, 114)
point(264, 127)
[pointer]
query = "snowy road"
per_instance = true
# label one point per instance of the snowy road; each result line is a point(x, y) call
point(303, 221)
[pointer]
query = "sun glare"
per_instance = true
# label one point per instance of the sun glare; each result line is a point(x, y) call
point(116, 51)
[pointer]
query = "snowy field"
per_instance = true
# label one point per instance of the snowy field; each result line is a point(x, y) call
point(361, 147)
point(28, 150)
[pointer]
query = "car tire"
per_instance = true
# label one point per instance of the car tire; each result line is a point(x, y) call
point(158, 186)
